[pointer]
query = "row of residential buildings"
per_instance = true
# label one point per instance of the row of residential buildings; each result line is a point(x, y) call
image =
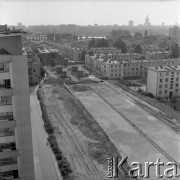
point(119, 68)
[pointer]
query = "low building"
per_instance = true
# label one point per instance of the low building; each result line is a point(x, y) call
point(164, 81)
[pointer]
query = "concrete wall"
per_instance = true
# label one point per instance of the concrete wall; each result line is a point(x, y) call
point(152, 82)
point(12, 44)
point(21, 105)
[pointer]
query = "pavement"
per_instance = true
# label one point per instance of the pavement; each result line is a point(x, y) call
point(45, 164)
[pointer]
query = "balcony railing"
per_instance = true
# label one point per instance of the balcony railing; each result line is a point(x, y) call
point(8, 161)
point(8, 117)
point(7, 147)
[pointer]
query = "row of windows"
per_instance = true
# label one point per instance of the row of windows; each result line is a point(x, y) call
point(160, 86)
point(172, 73)
point(166, 80)
point(165, 92)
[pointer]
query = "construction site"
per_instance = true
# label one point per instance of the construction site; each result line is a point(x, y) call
point(94, 120)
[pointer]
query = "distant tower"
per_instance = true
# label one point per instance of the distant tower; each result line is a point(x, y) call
point(131, 23)
point(147, 23)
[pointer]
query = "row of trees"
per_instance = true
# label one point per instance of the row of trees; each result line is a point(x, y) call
point(118, 43)
point(102, 42)
point(125, 34)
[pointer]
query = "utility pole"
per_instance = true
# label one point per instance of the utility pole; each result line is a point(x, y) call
point(168, 107)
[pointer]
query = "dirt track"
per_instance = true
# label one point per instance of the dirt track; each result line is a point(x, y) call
point(80, 150)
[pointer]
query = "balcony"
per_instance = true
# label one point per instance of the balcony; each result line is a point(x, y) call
point(4, 75)
point(8, 166)
point(9, 175)
point(7, 138)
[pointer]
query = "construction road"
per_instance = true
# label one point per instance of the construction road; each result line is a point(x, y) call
point(136, 134)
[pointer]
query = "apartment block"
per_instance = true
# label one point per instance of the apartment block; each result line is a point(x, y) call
point(109, 50)
point(174, 33)
point(115, 68)
point(34, 66)
point(49, 56)
point(164, 81)
point(16, 150)
point(157, 55)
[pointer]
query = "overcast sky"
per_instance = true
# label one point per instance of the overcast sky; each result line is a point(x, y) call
point(84, 12)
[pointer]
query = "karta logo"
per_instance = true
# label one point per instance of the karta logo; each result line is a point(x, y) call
point(116, 166)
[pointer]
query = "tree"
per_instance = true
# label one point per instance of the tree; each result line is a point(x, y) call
point(137, 35)
point(92, 43)
point(175, 50)
point(137, 49)
point(119, 43)
point(123, 34)
point(145, 33)
point(82, 55)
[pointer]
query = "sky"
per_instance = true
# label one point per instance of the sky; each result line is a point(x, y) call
point(89, 12)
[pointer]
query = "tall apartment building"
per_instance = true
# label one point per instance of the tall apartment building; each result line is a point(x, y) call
point(164, 81)
point(174, 33)
point(16, 150)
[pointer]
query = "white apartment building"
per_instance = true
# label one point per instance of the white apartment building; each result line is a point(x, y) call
point(164, 81)
point(16, 150)
point(72, 53)
point(157, 55)
point(115, 68)
point(107, 50)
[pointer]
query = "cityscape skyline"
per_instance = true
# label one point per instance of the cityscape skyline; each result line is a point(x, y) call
point(101, 12)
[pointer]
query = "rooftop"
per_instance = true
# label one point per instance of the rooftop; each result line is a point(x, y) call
point(165, 68)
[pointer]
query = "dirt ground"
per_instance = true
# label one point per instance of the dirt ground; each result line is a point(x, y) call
point(80, 138)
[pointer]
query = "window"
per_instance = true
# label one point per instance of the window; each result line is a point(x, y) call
point(177, 79)
point(4, 67)
point(160, 92)
point(177, 73)
point(177, 85)
point(160, 86)
point(165, 92)
point(166, 85)
point(166, 80)
point(161, 80)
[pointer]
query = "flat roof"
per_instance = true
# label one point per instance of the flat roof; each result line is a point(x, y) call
point(165, 68)
point(43, 50)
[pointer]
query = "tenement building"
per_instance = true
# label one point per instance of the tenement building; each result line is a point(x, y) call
point(118, 68)
point(164, 81)
point(16, 150)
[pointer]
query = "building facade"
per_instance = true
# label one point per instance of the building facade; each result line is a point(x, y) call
point(16, 150)
point(164, 81)
point(119, 69)
point(174, 33)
